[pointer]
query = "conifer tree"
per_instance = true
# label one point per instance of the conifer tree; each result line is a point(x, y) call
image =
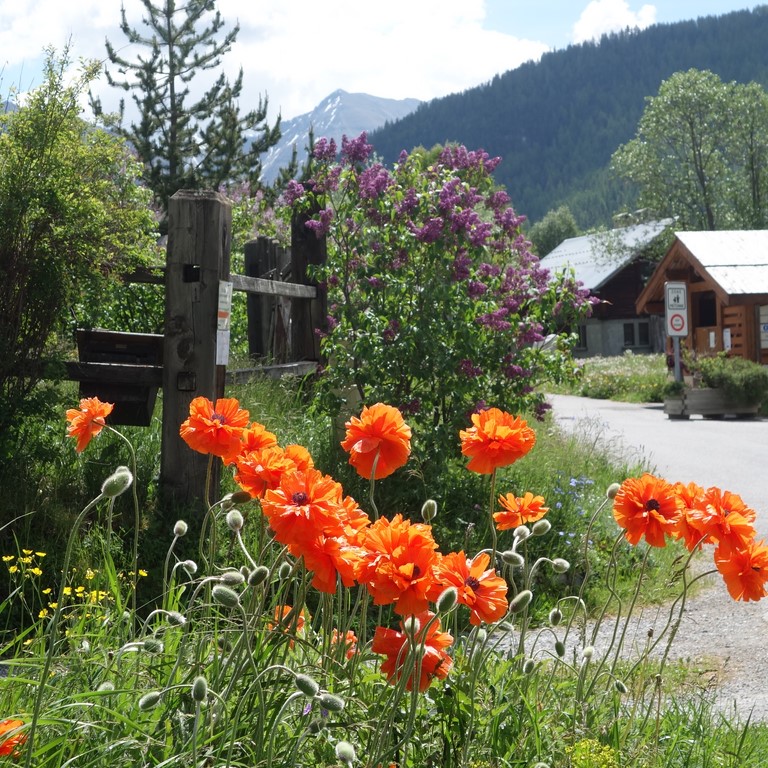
point(186, 142)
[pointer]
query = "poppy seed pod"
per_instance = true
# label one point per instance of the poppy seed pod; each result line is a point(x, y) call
point(118, 482)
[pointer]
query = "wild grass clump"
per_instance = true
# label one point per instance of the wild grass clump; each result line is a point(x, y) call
point(629, 377)
point(248, 656)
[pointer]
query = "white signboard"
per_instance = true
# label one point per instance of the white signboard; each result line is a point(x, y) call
point(222, 323)
point(676, 306)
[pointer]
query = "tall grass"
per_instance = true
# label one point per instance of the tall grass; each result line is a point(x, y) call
point(240, 661)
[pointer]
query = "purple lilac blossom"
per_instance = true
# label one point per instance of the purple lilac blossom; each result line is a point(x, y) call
point(320, 227)
point(430, 232)
point(356, 150)
point(374, 181)
point(469, 369)
point(324, 149)
point(461, 265)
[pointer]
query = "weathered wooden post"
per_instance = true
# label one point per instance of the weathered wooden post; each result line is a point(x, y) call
point(259, 261)
point(306, 249)
point(194, 353)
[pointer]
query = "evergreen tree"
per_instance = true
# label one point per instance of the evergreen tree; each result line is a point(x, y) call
point(187, 143)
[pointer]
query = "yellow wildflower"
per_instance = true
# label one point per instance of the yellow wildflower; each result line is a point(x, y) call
point(8, 558)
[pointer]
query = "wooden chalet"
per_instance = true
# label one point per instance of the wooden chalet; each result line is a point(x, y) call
point(726, 274)
point(614, 266)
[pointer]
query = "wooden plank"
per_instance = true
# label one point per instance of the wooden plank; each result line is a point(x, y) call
point(115, 373)
point(272, 287)
point(243, 375)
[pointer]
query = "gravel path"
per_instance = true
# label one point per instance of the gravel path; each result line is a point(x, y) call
point(717, 634)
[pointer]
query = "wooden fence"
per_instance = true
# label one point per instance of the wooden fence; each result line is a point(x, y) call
point(191, 356)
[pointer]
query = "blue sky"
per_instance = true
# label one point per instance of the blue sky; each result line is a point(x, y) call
point(298, 51)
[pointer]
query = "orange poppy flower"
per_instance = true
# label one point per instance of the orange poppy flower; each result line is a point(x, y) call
point(687, 528)
point(254, 437)
point(10, 744)
point(745, 571)
point(397, 564)
point(326, 557)
point(478, 587)
point(287, 620)
point(646, 506)
point(378, 436)
point(258, 471)
point(724, 518)
point(214, 429)
point(88, 421)
point(300, 456)
point(519, 510)
point(303, 506)
point(497, 439)
point(349, 641)
point(354, 520)
point(430, 644)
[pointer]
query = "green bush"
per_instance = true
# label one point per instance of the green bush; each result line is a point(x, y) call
point(744, 381)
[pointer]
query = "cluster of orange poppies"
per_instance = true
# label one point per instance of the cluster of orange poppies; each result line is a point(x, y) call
point(396, 560)
point(11, 738)
point(651, 508)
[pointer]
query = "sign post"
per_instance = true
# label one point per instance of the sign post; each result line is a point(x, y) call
point(676, 306)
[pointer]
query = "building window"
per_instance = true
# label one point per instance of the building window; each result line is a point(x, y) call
point(637, 334)
point(581, 343)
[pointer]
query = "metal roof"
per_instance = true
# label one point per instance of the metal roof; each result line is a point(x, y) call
point(737, 260)
point(597, 257)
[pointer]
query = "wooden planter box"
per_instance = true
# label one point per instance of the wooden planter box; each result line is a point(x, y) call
point(711, 403)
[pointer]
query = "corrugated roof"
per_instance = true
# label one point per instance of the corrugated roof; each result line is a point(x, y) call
point(596, 258)
point(737, 260)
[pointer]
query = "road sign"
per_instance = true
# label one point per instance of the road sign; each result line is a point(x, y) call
point(676, 305)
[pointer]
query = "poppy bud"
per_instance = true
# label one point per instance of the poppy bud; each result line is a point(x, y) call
point(190, 566)
point(232, 577)
point(521, 601)
point(612, 490)
point(180, 529)
point(307, 685)
point(153, 645)
point(559, 565)
point(284, 571)
point(522, 532)
point(345, 752)
point(555, 616)
point(149, 700)
point(411, 626)
point(176, 619)
point(235, 520)
point(225, 596)
point(331, 703)
point(588, 652)
point(529, 666)
point(514, 559)
point(447, 600)
point(560, 648)
point(541, 527)
point(619, 686)
point(429, 510)
point(258, 575)
point(199, 689)
point(118, 482)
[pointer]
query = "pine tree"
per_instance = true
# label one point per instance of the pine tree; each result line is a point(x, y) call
point(186, 143)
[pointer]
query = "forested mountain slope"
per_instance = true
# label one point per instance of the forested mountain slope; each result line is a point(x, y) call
point(556, 122)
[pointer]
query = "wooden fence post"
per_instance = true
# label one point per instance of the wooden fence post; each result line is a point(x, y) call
point(306, 249)
point(260, 261)
point(199, 239)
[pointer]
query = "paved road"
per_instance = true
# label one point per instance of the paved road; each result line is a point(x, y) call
point(716, 632)
point(729, 453)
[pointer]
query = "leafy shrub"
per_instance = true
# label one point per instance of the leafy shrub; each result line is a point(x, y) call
point(743, 381)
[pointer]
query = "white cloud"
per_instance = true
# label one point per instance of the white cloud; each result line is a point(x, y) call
point(604, 16)
point(297, 52)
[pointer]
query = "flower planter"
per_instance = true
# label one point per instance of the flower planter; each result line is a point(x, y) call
point(710, 403)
